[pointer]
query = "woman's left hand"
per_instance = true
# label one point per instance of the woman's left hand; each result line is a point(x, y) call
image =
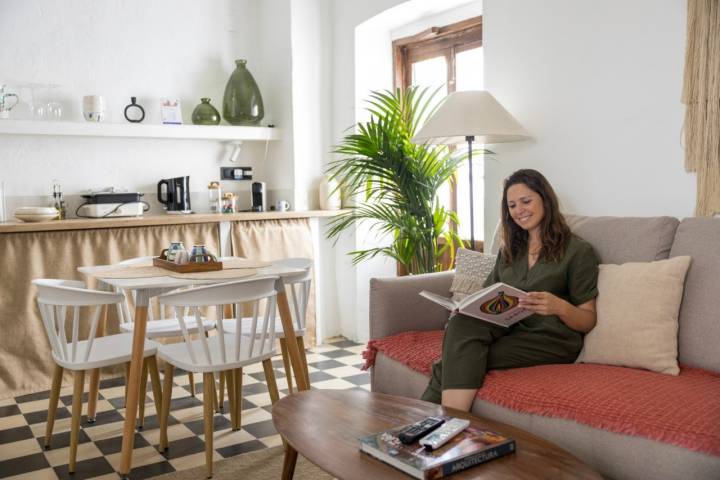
point(543, 303)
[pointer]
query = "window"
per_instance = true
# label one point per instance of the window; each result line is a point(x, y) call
point(449, 57)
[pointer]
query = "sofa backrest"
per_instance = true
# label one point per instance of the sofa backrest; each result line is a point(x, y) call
point(699, 336)
point(620, 240)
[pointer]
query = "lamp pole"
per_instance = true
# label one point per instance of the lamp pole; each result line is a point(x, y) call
point(470, 139)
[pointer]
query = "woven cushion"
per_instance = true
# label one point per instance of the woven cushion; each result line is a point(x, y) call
point(637, 315)
point(681, 410)
point(471, 270)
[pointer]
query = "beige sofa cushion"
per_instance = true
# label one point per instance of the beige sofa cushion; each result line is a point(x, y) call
point(637, 315)
point(699, 338)
point(621, 239)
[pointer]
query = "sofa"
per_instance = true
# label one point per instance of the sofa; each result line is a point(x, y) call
point(626, 423)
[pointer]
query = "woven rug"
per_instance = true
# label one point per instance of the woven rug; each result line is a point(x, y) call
point(259, 465)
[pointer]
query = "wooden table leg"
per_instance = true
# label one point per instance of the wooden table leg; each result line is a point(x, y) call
point(95, 373)
point(136, 362)
point(289, 463)
point(291, 340)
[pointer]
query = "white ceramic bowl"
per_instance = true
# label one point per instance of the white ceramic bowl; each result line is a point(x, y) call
point(36, 217)
point(36, 211)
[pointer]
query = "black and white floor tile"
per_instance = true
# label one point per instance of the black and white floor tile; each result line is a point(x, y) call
point(335, 365)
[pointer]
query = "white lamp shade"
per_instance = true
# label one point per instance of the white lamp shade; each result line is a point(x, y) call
point(475, 113)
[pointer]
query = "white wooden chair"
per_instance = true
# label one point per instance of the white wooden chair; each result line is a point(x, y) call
point(298, 288)
point(157, 327)
point(224, 353)
point(59, 300)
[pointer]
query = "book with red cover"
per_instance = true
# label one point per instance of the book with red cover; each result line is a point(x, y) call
point(470, 447)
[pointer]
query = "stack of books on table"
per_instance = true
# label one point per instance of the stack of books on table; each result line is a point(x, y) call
point(470, 447)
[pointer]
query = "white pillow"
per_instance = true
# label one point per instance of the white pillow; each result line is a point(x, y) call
point(637, 315)
point(471, 270)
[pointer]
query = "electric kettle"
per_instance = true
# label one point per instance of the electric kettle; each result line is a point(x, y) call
point(175, 196)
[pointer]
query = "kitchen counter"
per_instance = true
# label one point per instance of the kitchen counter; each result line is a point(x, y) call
point(148, 220)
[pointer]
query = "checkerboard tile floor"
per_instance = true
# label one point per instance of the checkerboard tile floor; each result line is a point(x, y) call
point(335, 365)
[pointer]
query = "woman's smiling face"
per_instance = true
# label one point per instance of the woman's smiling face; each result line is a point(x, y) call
point(525, 206)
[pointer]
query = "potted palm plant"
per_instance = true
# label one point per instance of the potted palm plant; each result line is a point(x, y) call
point(396, 182)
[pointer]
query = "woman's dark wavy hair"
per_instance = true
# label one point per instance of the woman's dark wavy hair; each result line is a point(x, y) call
point(554, 232)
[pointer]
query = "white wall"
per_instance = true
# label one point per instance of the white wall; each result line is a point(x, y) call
point(165, 48)
point(597, 84)
point(362, 61)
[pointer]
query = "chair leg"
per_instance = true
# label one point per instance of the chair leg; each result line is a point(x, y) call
point(270, 379)
point(274, 397)
point(286, 363)
point(95, 375)
point(156, 386)
point(237, 380)
point(79, 384)
point(143, 394)
point(303, 358)
point(231, 397)
point(209, 389)
point(165, 410)
point(289, 462)
point(221, 401)
point(215, 396)
point(93, 394)
point(191, 377)
point(52, 405)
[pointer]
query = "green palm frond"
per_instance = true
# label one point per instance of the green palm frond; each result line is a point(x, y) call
point(397, 180)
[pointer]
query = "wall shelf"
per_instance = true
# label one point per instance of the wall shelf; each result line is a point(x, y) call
point(132, 130)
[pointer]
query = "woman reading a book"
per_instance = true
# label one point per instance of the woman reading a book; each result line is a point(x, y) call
point(559, 271)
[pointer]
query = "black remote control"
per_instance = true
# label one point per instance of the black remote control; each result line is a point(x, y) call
point(419, 429)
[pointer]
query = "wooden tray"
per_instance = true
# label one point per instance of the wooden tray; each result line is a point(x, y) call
point(187, 267)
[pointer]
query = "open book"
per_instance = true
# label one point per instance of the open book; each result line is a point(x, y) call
point(497, 304)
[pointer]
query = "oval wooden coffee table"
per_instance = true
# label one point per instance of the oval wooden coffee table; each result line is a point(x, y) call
point(324, 426)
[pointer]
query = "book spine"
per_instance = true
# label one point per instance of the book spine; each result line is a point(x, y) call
point(470, 461)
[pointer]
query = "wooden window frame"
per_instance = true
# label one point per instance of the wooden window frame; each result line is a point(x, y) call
point(446, 41)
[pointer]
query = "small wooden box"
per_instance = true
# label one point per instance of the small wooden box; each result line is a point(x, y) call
point(191, 267)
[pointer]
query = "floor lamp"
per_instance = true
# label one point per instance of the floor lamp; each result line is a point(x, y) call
point(470, 116)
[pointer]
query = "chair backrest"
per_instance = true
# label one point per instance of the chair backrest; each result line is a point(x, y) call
point(299, 287)
point(259, 292)
point(60, 299)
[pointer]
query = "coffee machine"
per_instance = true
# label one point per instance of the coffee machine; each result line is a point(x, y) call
point(259, 197)
point(176, 195)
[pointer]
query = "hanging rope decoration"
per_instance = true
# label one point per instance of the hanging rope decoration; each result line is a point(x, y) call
point(701, 95)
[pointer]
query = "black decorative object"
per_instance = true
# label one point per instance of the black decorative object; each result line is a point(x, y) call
point(134, 113)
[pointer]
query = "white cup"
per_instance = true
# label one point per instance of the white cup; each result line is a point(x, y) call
point(93, 108)
point(282, 206)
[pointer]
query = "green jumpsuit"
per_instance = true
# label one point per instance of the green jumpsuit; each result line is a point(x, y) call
point(471, 346)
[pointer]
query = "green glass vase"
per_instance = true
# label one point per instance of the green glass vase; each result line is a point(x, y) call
point(205, 113)
point(242, 102)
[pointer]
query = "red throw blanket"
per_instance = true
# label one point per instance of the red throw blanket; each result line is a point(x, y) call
point(682, 410)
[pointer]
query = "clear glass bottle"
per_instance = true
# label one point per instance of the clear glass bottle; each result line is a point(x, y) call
point(59, 201)
point(214, 197)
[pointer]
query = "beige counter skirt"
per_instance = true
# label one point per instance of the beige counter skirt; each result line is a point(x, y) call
point(25, 361)
point(274, 239)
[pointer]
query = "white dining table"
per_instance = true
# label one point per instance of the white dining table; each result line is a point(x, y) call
point(146, 288)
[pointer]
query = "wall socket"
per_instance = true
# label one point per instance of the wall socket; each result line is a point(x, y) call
point(236, 173)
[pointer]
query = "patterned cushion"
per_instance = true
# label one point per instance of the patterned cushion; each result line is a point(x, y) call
point(471, 270)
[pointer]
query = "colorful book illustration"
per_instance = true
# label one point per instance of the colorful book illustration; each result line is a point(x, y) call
point(470, 447)
point(498, 303)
